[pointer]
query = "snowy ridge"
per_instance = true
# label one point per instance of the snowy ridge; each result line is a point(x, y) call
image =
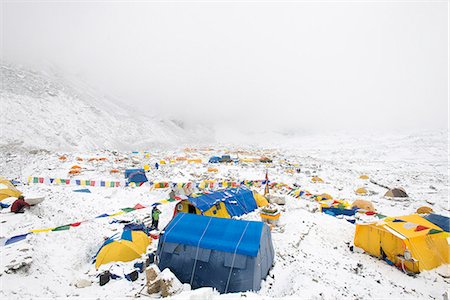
point(45, 111)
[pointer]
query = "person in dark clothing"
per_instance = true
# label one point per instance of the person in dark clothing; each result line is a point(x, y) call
point(155, 217)
point(18, 206)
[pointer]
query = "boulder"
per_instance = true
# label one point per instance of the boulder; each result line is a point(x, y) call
point(169, 283)
point(82, 283)
point(153, 283)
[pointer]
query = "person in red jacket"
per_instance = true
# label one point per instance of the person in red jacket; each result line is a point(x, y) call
point(18, 206)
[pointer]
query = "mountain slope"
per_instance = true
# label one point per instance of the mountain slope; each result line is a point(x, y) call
point(45, 111)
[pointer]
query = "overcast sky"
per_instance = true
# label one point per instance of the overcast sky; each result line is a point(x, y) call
point(279, 65)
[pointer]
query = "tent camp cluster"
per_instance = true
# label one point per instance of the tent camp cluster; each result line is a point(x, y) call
point(220, 233)
point(203, 245)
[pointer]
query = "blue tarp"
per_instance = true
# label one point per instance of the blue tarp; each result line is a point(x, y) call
point(16, 238)
point(238, 201)
point(136, 175)
point(220, 234)
point(333, 211)
point(136, 227)
point(440, 221)
point(126, 235)
point(4, 205)
point(82, 191)
point(102, 216)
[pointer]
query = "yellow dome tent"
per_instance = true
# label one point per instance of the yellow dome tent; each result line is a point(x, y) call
point(424, 210)
point(317, 179)
point(363, 204)
point(132, 245)
point(361, 191)
point(324, 196)
point(7, 189)
point(365, 177)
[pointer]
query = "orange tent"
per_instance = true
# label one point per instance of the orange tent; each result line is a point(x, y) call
point(74, 172)
point(63, 157)
point(114, 171)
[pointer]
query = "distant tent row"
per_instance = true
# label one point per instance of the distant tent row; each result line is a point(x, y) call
point(410, 242)
point(228, 255)
point(343, 208)
point(217, 159)
point(227, 203)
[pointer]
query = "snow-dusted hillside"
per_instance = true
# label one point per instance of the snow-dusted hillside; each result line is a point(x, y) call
point(46, 111)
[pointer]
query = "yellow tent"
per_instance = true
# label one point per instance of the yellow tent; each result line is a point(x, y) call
point(146, 167)
point(324, 196)
point(162, 162)
point(260, 200)
point(361, 191)
point(194, 161)
point(363, 204)
point(336, 203)
point(7, 189)
point(219, 210)
point(317, 179)
point(130, 247)
point(247, 159)
point(410, 242)
point(364, 177)
point(424, 210)
point(213, 170)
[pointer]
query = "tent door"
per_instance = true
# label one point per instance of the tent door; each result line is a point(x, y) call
point(191, 209)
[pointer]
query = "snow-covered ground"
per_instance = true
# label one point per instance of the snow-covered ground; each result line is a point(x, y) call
point(312, 260)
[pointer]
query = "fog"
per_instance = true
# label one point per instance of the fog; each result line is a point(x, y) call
point(283, 66)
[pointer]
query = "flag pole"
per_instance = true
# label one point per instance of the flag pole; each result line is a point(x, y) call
point(266, 190)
